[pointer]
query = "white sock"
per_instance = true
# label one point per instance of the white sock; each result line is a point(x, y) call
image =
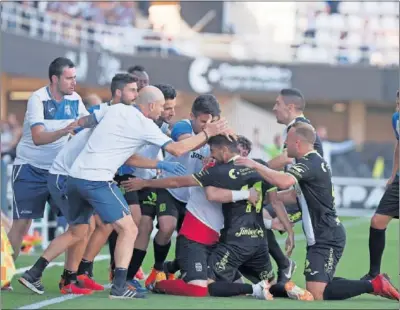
point(257, 290)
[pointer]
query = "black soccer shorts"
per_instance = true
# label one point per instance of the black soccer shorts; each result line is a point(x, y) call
point(131, 198)
point(322, 258)
point(192, 258)
point(253, 261)
point(168, 205)
point(148, 201)
point(389, 204)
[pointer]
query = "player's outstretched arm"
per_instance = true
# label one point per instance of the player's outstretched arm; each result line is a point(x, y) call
point(147, 163)
point(287, 196)
point(280, 161)
point(141, 162)
point(41, 137)
point(174, 182)
point(222, 195)
point(194, 142)
point(88, 121)
point(276, 178)
point(282, 215)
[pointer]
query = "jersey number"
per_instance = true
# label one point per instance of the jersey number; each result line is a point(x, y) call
point(258, 187)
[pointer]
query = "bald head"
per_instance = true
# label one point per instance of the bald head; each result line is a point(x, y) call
point(151, 102)
point(148, 95)
point(305, 132)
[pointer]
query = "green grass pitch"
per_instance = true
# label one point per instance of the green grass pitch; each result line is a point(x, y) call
point(353, 265)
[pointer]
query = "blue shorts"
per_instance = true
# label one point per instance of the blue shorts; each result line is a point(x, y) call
point(30, 192)
point(104, 197)
point(57, 185)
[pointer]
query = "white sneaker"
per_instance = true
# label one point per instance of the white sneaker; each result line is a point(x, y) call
point(261, 290)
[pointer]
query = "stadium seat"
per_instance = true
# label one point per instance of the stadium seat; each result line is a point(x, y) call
point(354, 40)
point(390, 23)
point(355, 22)
point(354, 55)
point(374, 23)
point(305, 53)
point(326, 39)
point(337, 22)
point(371, 8)
point(349, 7)
point(322, 21)
point(389, 8)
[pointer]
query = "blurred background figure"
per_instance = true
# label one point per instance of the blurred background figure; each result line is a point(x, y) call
point(11, 131)
point(274, 149)
point(91, 100)
point(333, 148)
point(258, 150)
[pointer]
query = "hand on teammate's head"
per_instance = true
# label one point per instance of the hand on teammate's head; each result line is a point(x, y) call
point(216, 128)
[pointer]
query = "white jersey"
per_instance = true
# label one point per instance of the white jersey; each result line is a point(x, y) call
point(123, 131)
point(66, 157)
point(208, 212)
point(152, 152)
point(43, 110)
point(192, 161)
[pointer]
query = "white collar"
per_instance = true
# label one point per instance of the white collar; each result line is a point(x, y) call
point(294, 120)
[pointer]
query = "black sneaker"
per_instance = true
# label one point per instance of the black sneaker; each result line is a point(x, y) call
point(368, 277)
point(34, 284)
point(286, 274)
point(124, 293)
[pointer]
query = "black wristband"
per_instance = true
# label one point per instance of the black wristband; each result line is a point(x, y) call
point(207, 137)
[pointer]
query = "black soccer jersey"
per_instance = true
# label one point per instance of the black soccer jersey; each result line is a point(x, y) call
point(242, 220)
point(318, 203)
point(317, 143)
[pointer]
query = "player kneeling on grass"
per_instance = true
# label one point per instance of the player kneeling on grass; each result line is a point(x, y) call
point(242, 245)
point(325, 235)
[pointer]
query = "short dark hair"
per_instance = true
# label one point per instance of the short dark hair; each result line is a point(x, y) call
point(136, 68)
point(206, 104)
point(221, 140)
point(294, 96)
point(120, 80)
point(168, 91)
point(58, 65)
point(244, 143)
point(397, 94)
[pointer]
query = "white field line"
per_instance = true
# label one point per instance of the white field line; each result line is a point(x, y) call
point(61, 299)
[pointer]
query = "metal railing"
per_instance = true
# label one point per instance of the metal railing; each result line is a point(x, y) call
point(62, 29)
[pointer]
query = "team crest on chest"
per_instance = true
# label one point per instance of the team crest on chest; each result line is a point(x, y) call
point(67, 110)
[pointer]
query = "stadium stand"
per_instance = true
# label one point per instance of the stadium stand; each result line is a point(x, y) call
point(354, 32)
point(335, 32)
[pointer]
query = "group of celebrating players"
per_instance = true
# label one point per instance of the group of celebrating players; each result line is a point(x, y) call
point(100, 169)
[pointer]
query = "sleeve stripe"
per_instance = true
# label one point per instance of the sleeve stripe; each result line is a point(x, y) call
point(37, 124)
point(273, 189)
point(194, 177)
point(292, 175)
point(166, 143)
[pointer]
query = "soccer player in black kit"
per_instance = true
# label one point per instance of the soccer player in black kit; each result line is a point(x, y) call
point(388, 207)
point(325, 235)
